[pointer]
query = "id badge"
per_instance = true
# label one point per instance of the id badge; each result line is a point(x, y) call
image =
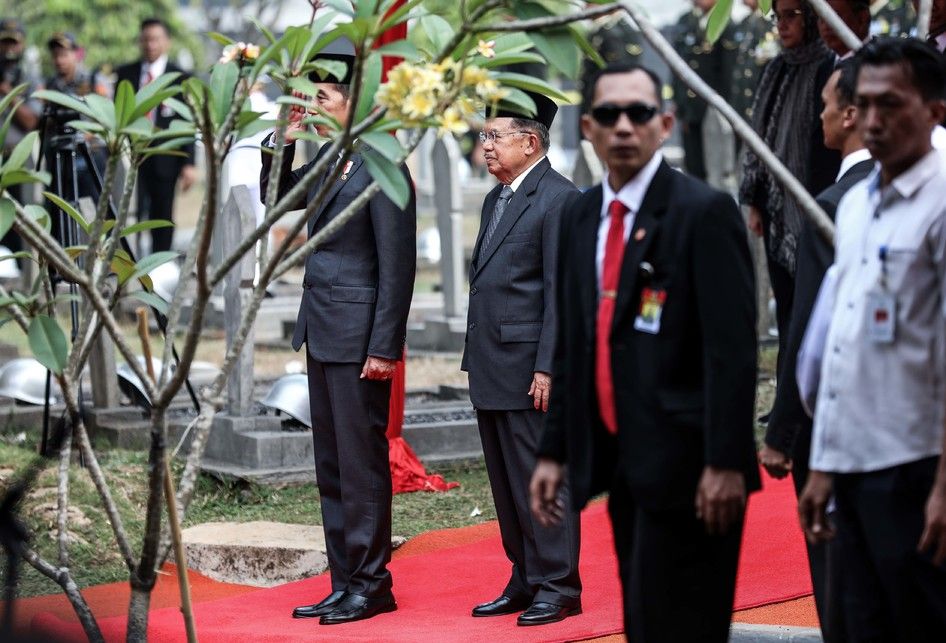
point(881, 316)
point(652, 306)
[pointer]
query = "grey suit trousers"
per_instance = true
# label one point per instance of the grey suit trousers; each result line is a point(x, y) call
point(349, 420)
point(544, 559)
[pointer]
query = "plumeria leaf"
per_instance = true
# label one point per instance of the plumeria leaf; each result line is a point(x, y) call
point(66, 207)
point(21, 152)
point(48, 343)
point(389, 177)
point(386, 144)
point(151, 299)
point(719, 17)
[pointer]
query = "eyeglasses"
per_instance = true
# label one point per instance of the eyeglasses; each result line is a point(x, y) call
point(608, 114)
point(788, 14)
point(492, 136)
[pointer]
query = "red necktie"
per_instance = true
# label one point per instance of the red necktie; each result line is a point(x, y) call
point(148, 78)
point(610, 275)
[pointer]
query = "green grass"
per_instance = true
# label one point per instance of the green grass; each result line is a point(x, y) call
point(94, 555)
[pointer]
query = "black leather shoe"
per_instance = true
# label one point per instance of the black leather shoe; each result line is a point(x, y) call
point(321, 608)
point(355, 607)
point(500, 606)
point(543, 613)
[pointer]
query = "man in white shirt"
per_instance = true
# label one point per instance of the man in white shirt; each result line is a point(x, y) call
point(879, 423)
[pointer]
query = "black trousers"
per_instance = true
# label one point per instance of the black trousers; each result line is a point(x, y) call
point(693, 160)
point(824, 559)
point(544, 559)
point(156, 201)
point(783, 289)
point(891, 592)
point(678, 581)
point(349, 420)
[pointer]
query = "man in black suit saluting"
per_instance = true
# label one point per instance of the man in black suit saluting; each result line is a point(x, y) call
point(655, 370)
point(509, 348)
point(352, 320)
point(158, 174)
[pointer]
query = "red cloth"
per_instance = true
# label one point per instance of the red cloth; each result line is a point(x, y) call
point(610, 275)
point(395, 33)
point(773, 567)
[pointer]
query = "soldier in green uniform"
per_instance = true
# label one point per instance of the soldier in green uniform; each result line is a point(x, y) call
point(891, 18)
point(714, 64)
point(618, 42)
point(756, 45)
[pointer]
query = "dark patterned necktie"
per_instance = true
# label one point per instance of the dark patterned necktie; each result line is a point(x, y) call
point(504, 196)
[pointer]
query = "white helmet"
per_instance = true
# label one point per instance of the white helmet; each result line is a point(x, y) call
point(131, 386)
point(165, 279)
point(290, 394)
point(24, 379)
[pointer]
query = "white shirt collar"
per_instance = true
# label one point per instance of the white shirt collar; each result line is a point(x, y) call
point(851, 160)
point(156, 68)
point(516, 182)
point(913, 179)
point(631, 193)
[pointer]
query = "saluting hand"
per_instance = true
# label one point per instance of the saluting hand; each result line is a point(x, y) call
point(540, 390)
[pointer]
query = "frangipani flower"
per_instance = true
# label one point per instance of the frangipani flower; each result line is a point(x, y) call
point(486, 48)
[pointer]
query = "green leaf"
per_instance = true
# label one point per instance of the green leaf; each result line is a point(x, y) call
point(765, 6)
point(21, 152)
point(511, 43)
point(438, 31)
point(528, 83)
point(400, 15)
point(223, 80)
point(48, 343)
point(141, 226)
point(718, 19)
point(520, 101)
point(149, 263)
point(12, 96)
point(151, 299)
point(141, 108)
point(38, 213)
point(387, 145)
point(401, 48)
point(66, 101)
point(370, 82)
point(586, 46)
point(500, 60)
point(18, 177)
point(558, 48)
point(88, 126)
point(156, 85)
point(7, 216)
point(342, 6)
point(326, 68)
point(389, 177)
point(254, 128)
point(124, 104)
point(263, 29)
point(104, 110)
point(66, 207)
point(219, 37)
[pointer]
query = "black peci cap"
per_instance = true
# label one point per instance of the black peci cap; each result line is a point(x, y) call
point(545, 110)
point(340, 50)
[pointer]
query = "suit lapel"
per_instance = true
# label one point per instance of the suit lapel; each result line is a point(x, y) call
point(587, 248)
point(356, 161)
point(517, 205)
point(488, 204)
point(642, 234)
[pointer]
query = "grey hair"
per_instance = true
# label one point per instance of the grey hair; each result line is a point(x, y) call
point(540, 130)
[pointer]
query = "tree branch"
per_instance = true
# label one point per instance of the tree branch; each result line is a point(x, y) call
point(549, 22)
point(62, 578)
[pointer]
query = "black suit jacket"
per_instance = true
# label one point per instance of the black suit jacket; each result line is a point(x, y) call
point(684, 395)
point(788, 419)
point(166, 167)
point(358, 284)
point(511, 316)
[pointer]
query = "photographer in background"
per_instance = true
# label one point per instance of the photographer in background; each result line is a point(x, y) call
point(71, 78)
point(26, 115)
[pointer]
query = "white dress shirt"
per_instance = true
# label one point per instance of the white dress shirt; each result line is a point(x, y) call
point(851, 160)
point(883, 404)
point(631, 195)
point(156, 68)
point(516, 182)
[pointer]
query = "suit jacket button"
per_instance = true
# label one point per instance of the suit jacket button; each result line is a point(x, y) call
point(472, 325)
point(473, 290)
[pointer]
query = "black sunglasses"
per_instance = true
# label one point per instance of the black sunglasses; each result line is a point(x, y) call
point(608, 114)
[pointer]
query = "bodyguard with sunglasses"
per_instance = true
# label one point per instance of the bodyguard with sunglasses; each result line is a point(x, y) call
point(654, 377)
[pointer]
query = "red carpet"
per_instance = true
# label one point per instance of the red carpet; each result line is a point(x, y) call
point(435, 590)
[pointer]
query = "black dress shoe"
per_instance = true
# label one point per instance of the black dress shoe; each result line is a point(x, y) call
point(542, 613)
point(321, 608)
point(500, 606)
point(355, 607)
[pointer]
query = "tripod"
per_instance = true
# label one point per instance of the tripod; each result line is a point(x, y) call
point(64, 144)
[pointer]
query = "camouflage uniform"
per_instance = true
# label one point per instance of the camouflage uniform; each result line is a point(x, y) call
point(618, 42)
point(714, 64)
point(751, 36)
